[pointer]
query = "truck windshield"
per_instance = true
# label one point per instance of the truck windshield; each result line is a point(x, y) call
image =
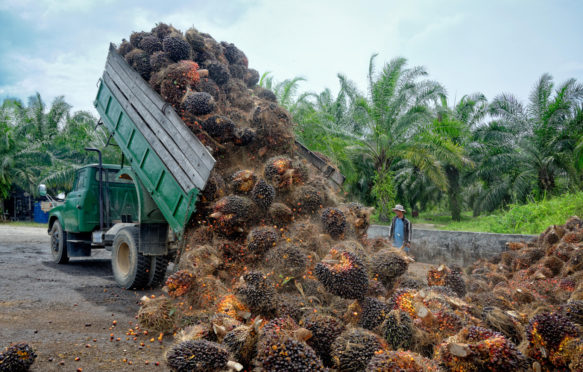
point(109, 175)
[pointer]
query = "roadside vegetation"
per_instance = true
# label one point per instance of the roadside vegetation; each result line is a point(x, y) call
point(530, 218)
point(23, 224)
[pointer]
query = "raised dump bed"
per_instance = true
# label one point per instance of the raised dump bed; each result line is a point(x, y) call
point(169, 160)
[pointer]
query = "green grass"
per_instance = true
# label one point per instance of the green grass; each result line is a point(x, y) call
point(25, 224)
point(531, 218)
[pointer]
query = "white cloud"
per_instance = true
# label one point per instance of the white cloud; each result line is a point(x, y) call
point(71, 75)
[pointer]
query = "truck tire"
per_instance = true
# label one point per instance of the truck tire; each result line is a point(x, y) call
point(158, 267)
point(130, 267)
point(59, 243)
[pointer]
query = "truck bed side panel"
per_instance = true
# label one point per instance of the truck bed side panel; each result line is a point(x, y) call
point(175, 203)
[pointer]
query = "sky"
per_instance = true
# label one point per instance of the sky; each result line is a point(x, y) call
point(59, 47)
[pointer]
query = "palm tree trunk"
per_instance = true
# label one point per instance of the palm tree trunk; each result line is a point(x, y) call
point(453, 191)
point(546, 181)
point(384, 192)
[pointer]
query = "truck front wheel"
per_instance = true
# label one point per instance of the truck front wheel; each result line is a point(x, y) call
point(130, 267)
point(59, 243)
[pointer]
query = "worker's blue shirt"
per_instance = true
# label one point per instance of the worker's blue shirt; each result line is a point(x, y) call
point(399, 237)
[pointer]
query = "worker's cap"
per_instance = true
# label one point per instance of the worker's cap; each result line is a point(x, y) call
point(399, 207)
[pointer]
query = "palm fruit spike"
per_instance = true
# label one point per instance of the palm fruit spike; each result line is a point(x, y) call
point(261, 239)
point(284, 172)
point(291, 355)
point(241, 341)
point(219, 127)
point(403, 299)
point(243, 136)
point(161, 30)
point(199, 356)
point(159, 60)
point(176, 47)
point(232, 214)
point(387, 266)
point(343, 274)
point(219, 73)
point(136, 37)
point(231, 306)
point(277, 331)
point(157, 314)
point(324, 330)
point(263, 194)
point(150, 44)
point(287, 260)
point(546, 333)
point(354, 348)
point(199, 103)
point(307, 199)
point(17, 358)
point(451, 278)
point(257, 293)
point(280, 214)
point(480, 349)
point(124, 48)
point(372, 313)
point(398, 330)
point(334, 222)
point(242, 181)
point(234, 55)
point(180, 283)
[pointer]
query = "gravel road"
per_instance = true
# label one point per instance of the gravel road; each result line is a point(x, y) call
point(67, 311)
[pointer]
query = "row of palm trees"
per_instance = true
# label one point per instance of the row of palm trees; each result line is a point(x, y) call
point(403, 138)
point(40, 144)
point(400, 140)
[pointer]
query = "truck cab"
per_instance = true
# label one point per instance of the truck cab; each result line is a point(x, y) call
point(103, 202)
point(79, 215)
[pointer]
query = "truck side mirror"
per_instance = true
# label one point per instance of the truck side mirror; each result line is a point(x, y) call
point(42, 189)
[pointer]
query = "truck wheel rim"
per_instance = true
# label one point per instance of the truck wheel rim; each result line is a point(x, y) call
point(123, 258)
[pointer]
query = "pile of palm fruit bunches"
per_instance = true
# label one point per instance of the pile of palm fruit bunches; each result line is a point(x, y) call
point(278, 274)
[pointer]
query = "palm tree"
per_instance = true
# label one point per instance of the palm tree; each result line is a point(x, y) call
point(456, 125)
point(414, 188)
point(395, 118)
point(40, 146)
point(496, 179)
point(544, 134)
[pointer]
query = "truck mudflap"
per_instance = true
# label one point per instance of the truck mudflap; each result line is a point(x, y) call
point(154, 239)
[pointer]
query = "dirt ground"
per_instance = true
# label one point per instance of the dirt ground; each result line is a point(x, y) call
point(68, 311)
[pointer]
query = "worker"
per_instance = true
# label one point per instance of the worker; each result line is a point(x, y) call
point(400, 234)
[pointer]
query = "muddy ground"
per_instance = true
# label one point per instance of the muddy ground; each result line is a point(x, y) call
point(68, 311)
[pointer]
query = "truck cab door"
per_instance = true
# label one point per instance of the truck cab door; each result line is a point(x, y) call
point(74, 201)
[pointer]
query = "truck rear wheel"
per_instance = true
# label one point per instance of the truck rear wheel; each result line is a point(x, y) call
point(59, 243)
point(158, 267)
point(130, 267)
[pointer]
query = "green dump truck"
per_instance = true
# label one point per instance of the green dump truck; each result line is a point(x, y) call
point(138, 210)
